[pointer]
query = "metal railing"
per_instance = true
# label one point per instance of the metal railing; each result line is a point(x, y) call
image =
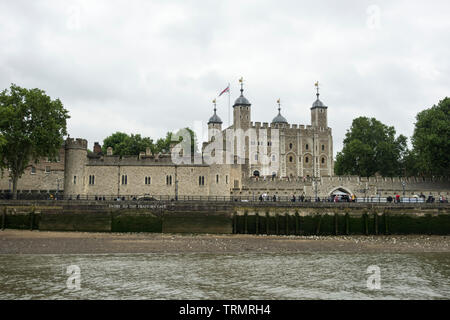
point(197, 198)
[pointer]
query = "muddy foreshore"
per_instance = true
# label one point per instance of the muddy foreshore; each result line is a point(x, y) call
point(40, 242)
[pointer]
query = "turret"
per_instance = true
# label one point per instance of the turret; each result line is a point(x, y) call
point(75, 161)
point(279, 119)
point(319, 112)
point(214, 124)
point(241, 110)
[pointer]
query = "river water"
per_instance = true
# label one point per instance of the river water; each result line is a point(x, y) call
point(226, 276)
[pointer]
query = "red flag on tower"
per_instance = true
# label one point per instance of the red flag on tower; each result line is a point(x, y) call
point(225, 90)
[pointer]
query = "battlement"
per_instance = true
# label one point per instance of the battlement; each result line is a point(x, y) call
point(294, 126)
point(77, 143)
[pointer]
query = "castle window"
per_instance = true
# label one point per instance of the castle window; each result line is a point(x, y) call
point(290, 159)
point(91, 180)
point(290, 146)
point(256, 157)
point(226, 179)
point(47, 169)
point(323, 160)
point(74, 179)
point(217, 178)
point(124, 179)
point(307, 147)
point(274, 158)
point(201, 180)
point(33, 170)
point(148, 180)
point(169, 180)
point(306, 159)
point(323, 147)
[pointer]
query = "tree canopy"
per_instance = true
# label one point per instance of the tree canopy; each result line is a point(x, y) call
point(32, 125)
point(124, 144)
point(370, 147)
point(431, 141)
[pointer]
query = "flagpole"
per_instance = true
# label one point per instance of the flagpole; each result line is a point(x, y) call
point(229, 93)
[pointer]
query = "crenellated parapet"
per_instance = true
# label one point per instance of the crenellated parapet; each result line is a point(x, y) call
point(77, 143)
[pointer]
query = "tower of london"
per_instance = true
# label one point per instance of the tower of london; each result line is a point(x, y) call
point(246, 159)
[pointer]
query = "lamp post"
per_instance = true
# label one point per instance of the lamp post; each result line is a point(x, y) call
point(176, 184)
point(57, 187)
point(315, 188)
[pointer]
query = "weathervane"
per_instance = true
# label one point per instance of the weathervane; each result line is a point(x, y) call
point(279, 105)
point(317, 88)
point(241, 81)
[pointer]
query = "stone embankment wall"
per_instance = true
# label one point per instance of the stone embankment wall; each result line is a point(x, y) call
point(227, 217)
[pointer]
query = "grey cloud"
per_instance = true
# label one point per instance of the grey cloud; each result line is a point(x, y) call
point(152, 66)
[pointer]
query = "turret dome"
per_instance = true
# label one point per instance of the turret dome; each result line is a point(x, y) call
point(215, 119)
point(279, 118)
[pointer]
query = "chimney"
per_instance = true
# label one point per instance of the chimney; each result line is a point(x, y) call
point(97, 148)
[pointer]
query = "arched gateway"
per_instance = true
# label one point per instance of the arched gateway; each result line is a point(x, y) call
point(340, 191)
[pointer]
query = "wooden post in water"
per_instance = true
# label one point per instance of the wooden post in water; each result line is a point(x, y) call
point(297, 231)
point(234, 223)
point(257, 223)
point(286, 215)
point(31, 219)
point(335, 224)
point(366, 223)
point(375, 222)
point(245, 222)
point(386, 225)
point(347, 224)
point(318, 225)
point(277, 218)
point(267, 222)
point(4, 218)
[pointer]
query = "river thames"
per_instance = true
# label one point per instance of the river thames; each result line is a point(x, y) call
point(307, 275)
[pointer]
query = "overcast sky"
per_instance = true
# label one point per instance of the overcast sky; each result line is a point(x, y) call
point(152, 66)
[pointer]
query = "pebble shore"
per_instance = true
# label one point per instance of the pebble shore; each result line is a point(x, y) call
point(42, 242)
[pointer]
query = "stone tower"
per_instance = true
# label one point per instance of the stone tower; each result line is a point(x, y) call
point(75, 160)
point(241, 111)
point(214, 124)
point(319, 112)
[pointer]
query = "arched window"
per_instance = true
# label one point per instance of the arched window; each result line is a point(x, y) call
point(290, 145)
point(290, 159)
point(307, 147)
point(323, 147)
point(323, 160)
point(306, 159)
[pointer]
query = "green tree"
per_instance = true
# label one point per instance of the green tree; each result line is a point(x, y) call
point(32, 126)
point(370, 147)
point(163, 144)
point(431, 140)
point(124, 144)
